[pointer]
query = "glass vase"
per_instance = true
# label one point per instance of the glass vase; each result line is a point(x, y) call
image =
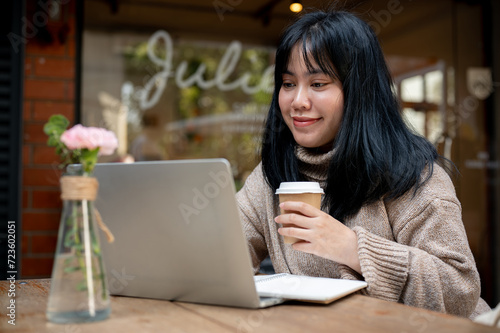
point(78, 290)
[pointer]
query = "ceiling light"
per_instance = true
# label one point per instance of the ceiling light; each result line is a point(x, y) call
point(296, 6)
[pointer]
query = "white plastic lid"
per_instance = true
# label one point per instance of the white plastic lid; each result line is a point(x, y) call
point(299, 187)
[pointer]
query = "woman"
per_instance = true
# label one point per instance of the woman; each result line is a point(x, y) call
point(390, 215)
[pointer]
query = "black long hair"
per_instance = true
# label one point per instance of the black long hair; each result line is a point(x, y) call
point(376, 155)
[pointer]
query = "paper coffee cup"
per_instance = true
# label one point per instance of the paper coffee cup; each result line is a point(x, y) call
point(308, 192)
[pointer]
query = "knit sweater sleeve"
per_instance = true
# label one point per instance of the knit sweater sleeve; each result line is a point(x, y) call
point(252, 208)
point(430, 264)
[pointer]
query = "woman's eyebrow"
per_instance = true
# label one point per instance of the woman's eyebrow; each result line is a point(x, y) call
point(310, 72)
point(313, 71)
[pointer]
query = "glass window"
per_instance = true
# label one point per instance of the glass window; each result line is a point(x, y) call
point(434, 87)
point(412, 89)
point(177, 99)
point(422, 95)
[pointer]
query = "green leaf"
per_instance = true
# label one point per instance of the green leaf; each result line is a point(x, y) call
point(82, 286)
point(60, 151)
point(96, 248)
point(56, 125)
point(53, 142)
point(69, 240)
point(71, 269)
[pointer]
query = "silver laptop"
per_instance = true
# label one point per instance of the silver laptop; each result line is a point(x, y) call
point(177, 233)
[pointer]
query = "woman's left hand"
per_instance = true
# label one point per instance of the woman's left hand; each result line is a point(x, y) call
point(320, 233)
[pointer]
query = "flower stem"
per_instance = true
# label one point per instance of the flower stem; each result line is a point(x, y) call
point(88, 257)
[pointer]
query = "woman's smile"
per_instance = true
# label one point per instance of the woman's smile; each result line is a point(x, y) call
point(304, 121)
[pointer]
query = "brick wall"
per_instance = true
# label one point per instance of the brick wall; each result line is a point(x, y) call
point(48, 89)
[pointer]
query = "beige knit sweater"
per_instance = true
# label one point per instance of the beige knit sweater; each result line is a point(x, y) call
point(413, 250)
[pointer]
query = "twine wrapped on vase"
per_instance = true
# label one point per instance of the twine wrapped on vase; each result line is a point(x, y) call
point(84, 188)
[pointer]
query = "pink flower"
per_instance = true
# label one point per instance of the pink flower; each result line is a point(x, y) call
point(81, 137)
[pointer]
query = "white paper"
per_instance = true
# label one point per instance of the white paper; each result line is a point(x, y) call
point(308, 288)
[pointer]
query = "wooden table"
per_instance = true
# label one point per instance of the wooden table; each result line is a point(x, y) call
point(352, 314)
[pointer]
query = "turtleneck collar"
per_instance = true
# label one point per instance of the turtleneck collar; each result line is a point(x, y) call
point(312, 164)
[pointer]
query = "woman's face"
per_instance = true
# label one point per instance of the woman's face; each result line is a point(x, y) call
point(311, 103)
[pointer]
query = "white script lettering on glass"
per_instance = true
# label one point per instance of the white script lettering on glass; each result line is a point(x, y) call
point(150, 94)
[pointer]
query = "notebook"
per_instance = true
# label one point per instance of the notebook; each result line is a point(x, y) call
point(178, 237)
